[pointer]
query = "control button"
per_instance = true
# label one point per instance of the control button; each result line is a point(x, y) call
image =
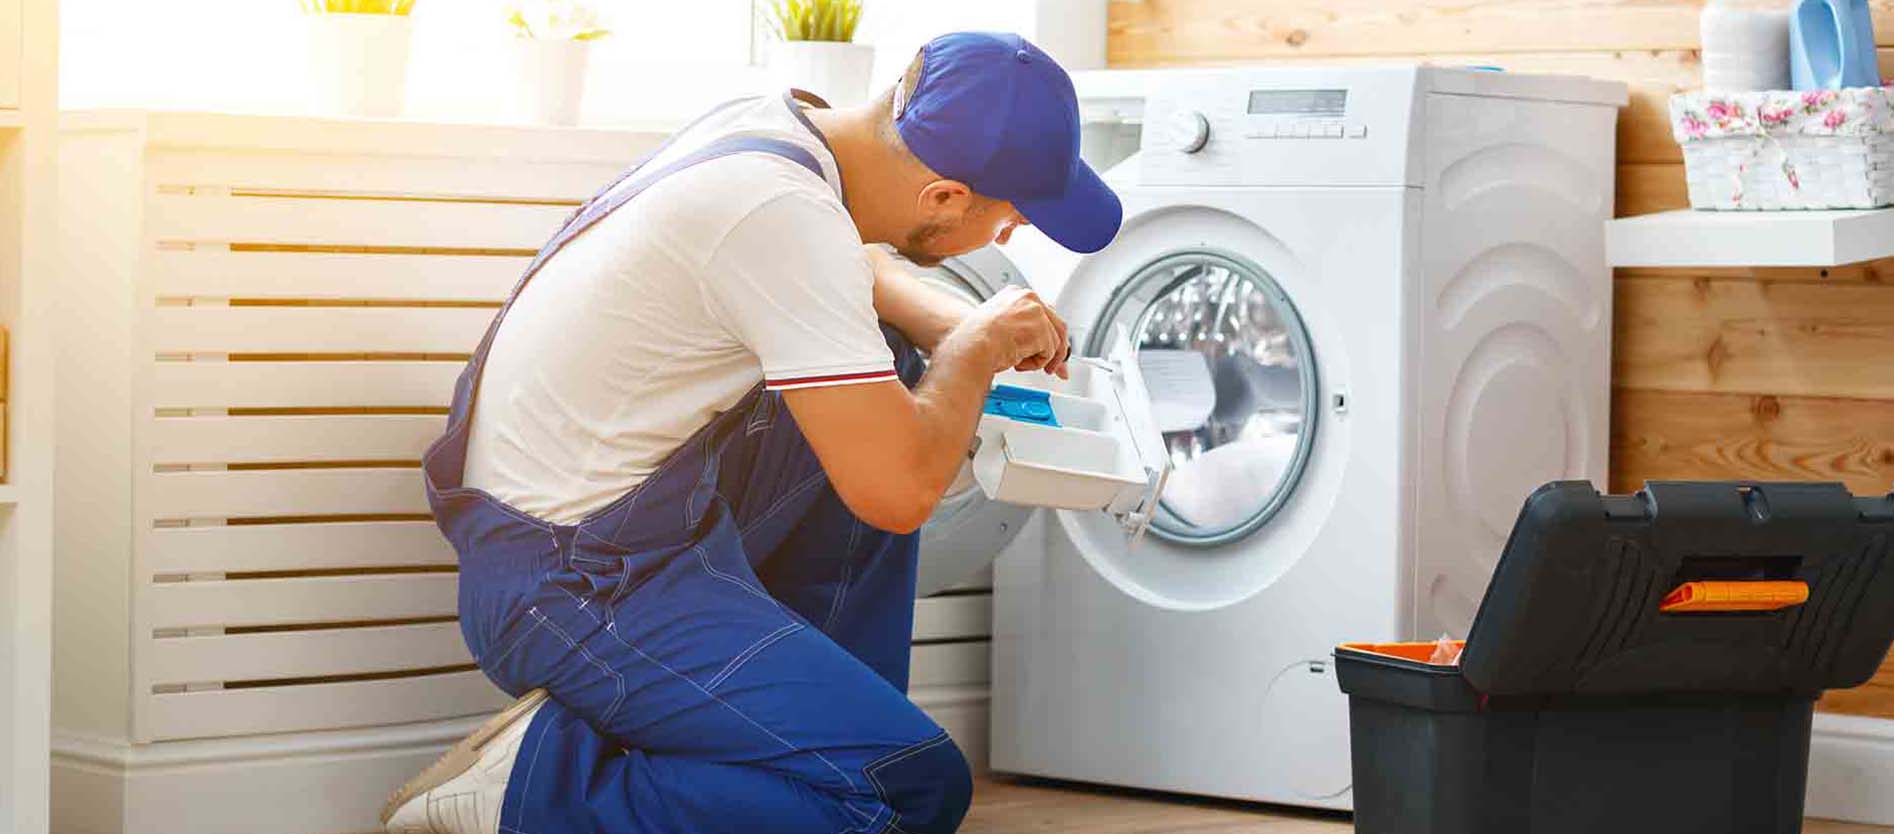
point(1303, 130)
point(1332, 130)
point(1357, 131)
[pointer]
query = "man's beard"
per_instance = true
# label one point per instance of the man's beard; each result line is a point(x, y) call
point(915, 247)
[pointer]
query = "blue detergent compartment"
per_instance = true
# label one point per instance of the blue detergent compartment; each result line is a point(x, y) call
point(1027, 405)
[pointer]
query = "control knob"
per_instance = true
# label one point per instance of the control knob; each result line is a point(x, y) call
point(1190, 131)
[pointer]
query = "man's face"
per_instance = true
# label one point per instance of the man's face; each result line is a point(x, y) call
point(956, 227)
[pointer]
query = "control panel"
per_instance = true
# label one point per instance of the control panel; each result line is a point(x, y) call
point(1262, 126)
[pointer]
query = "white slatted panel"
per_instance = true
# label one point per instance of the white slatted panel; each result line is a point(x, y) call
point(411, 175)
point(371, 223)
point(291, 547)
point(244, 274)
point(285, 709)
point(953, 618)
point(314, 599)
point(981, 581)
point(318, 329)
point(293, 438)
point(294, 654)
point(343, 651)
point(303, 384)
point(287, 492)
point(950, 664)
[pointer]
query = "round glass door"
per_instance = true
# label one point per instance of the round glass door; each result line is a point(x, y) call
point(1233, 388)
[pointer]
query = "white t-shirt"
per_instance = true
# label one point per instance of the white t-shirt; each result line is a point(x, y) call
point(735, 271)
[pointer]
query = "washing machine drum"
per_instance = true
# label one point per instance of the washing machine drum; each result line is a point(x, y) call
point(1229, 366)
point(967, 530)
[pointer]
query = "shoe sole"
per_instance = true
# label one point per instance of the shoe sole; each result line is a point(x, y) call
point(462, 755)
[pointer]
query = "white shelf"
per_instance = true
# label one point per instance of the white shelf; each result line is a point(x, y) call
point(1750, 238)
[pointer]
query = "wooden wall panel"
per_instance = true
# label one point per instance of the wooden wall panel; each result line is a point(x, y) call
point(1730, 373)
point(1755, 336)
point(1200, 29)
point(1875, 698)
point(1765, 437)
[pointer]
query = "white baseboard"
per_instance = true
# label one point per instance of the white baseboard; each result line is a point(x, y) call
point(300, 783)
point(1851, 769)
point(307, 783)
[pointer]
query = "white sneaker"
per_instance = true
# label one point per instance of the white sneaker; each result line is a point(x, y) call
point(461, 792)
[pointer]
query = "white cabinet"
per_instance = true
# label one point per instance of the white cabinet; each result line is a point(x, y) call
point(263, 321)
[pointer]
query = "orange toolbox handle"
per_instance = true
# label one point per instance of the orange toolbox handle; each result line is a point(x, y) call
point(1708, 596)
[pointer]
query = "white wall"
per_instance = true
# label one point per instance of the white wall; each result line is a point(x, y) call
point(664, 61)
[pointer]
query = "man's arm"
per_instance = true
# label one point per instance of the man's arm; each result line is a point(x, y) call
point(891, 453)
point(922, 313)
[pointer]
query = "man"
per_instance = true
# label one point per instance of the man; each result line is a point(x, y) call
point(684, 469)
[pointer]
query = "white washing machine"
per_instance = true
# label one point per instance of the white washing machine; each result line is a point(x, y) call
point(1373, 309)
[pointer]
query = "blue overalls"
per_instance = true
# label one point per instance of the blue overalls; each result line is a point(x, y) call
point(726, 645)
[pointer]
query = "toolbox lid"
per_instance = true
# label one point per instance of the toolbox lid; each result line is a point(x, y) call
point(1577, 604)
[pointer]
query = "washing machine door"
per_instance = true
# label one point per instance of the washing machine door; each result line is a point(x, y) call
point(967, 529)
point(1229, 366)
point(1229, 363)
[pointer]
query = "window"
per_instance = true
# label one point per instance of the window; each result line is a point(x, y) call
point(663, 59)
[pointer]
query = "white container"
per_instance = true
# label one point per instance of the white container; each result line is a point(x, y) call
point(1745, 45)
point(1105, 455)
point(549, 80)
point(836, 71)
point(358, 63)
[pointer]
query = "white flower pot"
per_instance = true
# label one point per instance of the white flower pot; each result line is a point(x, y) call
point(549, 80)
point(836, 71)
point(358, 63)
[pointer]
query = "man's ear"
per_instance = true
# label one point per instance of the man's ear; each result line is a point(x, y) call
point(945, 198)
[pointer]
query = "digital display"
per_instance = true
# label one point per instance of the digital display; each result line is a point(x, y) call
point(1323, 103)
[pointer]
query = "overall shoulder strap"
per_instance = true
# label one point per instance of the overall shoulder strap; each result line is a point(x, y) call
point(446, 459)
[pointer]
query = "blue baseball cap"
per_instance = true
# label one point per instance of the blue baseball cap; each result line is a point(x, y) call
point(995, 112)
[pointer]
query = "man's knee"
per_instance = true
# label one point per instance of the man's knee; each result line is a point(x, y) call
point(928, 786)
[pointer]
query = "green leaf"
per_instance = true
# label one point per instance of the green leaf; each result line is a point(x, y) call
point(813, 20)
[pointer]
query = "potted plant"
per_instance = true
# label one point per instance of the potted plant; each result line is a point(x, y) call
point(555, 38)
point(815, 49)
point(358, 55)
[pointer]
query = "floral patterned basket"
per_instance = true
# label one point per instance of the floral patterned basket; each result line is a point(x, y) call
point(1783, 149)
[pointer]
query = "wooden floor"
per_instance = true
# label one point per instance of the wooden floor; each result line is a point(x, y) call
point(1034, 807)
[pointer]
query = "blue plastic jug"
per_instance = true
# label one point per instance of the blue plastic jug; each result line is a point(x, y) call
point(1831, 45)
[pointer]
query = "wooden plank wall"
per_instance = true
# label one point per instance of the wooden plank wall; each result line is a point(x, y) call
point(1735, 373)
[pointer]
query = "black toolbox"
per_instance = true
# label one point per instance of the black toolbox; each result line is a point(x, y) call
point(1639, 664)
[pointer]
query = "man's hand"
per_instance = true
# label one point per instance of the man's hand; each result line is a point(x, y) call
point(891, 452)
point(1018, 331)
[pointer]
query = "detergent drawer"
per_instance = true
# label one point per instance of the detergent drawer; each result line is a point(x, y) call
point(1084, 443)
